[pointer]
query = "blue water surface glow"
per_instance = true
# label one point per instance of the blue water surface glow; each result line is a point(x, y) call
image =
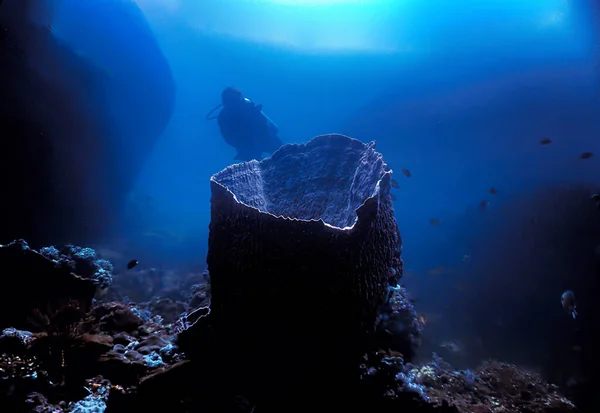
point(375, 26)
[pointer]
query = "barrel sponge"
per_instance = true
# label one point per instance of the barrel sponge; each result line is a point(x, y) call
point(302, 247)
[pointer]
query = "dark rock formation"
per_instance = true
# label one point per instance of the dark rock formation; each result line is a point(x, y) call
point(303, 249)
point(66, 162)
point(398, 326)
point(140, 88)
point(492, 387)
point(66, 365)
point(34, 284)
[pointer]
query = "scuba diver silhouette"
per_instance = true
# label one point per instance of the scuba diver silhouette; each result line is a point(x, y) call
point(244, 126)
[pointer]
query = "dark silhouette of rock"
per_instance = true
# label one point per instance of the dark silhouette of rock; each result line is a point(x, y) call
point(138, 81)
point(66, 160)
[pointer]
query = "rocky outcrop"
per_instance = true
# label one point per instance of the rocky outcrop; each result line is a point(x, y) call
point(66, 160)
point(116, 37)
point(48, 286)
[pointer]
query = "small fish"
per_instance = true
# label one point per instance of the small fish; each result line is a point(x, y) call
point(132, 264)
point(437, 271)
point(430, 318)
point(389, 353)
point(586, 155)
point(466, 258)
point(101, 292)
point(546, 141)
point(493, 191)
point(393, 197)
point(395, 184)
point(567, 299)
point(451, 346)
point(434, 221)
point(484, 204)
point(394, 353)
point(406, 173)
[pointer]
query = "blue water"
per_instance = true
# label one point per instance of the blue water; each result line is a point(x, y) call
point(460, 93)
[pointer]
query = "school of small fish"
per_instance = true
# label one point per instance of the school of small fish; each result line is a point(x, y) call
point(568, 297)
point(483, 205)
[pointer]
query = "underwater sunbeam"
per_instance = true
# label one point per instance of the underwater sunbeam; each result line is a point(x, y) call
point(319, 2)
point(375, 26)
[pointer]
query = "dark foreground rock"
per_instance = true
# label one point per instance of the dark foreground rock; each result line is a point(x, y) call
point(110, 348)
point(42, 283)
point(56, 338)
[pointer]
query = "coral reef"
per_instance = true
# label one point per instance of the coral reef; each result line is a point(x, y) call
point(169, 294)
point(494, 387)
point(121, 357)
point(38, 282)
point(313, 320)
point(77, 349)
point(398, 327)
point(83, 262)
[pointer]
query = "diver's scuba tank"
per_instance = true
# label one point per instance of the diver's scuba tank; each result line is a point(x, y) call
point(270, 125)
